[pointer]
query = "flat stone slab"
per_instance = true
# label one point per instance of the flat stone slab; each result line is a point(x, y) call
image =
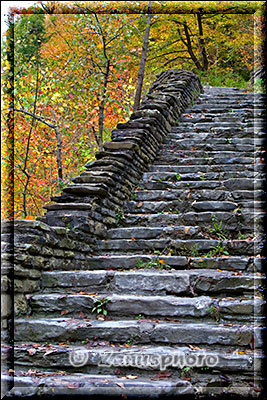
point(139, 357)
point(143, 331)
point(127, 305)
point(182, 247)
point(98, 385)
point(153, 281)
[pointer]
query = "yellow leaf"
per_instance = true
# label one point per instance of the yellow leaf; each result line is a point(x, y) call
point(162, 261)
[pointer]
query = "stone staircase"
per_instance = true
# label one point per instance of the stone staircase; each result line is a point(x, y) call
point(172, 303)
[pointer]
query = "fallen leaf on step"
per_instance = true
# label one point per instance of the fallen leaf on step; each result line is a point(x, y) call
point(194, 347)
point(131, 376)
point(140, 204)
point(186, 229)
point(73, 385)
point(120, 385)
point(31, 351)
point(132, 238)
point(64, 312)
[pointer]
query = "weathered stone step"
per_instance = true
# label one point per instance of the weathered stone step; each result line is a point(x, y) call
point(224, 103)
point(205, 168)
point(146, 279)
point(176, 194)
point(228, 184)
point(137, 358)
point(200, 139)
point(244, 221)
point(197, 144)
point(226, 107)
point(131, 306)
point(94, 386)
point(180, 206)
point(179, 247)
point(179, 154)
point(218, 175)
point(254, 97)
point(128, 261)
point(193, 157)
point(208, 161)
point(137, 232)
point(224, 124)
point(140, 331)
point(184, 205)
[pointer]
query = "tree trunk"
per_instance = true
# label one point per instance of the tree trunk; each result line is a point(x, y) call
point(204, 59)
point(101, 109)
point(143, 60)
point(190, 48)
point(59, 157)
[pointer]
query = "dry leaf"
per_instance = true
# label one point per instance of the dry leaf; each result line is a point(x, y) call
point(31, 351)
point(64, 312)
point(131, 376)
point(120, 385)
point(140, 204)
point(132, 238)
point(186, 229)
point(194, 347)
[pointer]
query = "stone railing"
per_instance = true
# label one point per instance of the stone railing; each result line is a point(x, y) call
point(94, 200)
point(93, 203)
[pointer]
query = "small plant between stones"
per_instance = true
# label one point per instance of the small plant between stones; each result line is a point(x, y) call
point(99, 306)
point(119, 217)
point(217, 229)
point(155, 263)
point(214, 312)
point(217, 251)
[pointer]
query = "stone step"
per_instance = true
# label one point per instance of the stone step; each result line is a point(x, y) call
point(176, 194)
point(249, 124)
point(228, 184)
point(198, 139)
point(140, 331)
point(180, 206)
point(190, 247)
point(128, 261)
point(206, 168)
point(226, 108)
point(249, 95)
point(178, 154)
point(149, 278)
point(136, 358)
point(243, 221)
point(39, 384)
point(197, 144)
point(208, 161)
point(216, 175)
point(130, 306)
point(139, 232)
